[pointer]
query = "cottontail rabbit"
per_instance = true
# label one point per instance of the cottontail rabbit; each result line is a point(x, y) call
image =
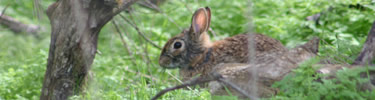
point(267, 69)
point(194, 53)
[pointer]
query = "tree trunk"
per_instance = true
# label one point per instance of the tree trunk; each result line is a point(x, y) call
point(368, 51)
point(75, 28)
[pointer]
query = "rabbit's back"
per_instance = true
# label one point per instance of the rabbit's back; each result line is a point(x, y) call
point(232, 50)
point(236, 49)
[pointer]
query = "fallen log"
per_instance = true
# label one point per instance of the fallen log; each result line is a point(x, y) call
point(17, 26)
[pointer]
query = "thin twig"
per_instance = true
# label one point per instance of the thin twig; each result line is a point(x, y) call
point(3, 11)
point(177, 79)
point(36, 9)
point(139, 32)
point(187, 7)
point(164, 14)
point(336, 58)
point(204, 79)
point(148, 59)
point(212, 32)
point(131, 43)
point(192, 82)
point(123, 42)
point(235, 87)
point(143, 75)
point(141, 54)
point(124, 5)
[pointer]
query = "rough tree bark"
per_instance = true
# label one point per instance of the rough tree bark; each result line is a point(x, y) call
point(368, 51)
point(75, 27)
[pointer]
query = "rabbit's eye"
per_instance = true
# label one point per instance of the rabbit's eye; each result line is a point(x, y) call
point(177, 45)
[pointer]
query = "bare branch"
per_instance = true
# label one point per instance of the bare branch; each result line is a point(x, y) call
point(37, 9)
point(129, 51)
point(159, 10)
point(122, 5)
point(139, 32)
point(187, 7)
point(192, 82)
point(143, 75)
point(17, 26)
point(235, 87)
point(201, 80)
point(3, 11)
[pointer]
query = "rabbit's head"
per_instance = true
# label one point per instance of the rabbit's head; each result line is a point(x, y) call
point(187, 47)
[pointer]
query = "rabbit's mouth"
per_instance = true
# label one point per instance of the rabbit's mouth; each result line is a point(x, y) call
point(171, 66)
point(166, 62)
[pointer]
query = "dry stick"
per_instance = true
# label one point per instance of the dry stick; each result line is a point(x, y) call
point(130, 41)
point(339, 59)
point(201, 80)
point(121, 7)
point(146, 57)
point(139, 32)
point(36, 9)
point(148, 64)
point(3, 11)
point(144, 75)
point(149, 59)
point(129, 52)
point(235, 87)
point(142, 55)
point(187, 7)
point(160, 11)
point(121, 37)
point(177, 79)
point(212, 32)
point(192, 82)
point(123, 42)
point(17, 26)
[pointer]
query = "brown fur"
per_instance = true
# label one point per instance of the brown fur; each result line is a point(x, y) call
point(199, 55)
point(267, 69)
point(230, 56)
point(230, 50)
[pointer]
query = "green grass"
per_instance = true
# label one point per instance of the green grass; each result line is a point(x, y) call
point(302, 84)
point(118, 75)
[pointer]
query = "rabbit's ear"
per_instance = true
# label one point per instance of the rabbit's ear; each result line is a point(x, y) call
point(201, 21)
point(208, 10)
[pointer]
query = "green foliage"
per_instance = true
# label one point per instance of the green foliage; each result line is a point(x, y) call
point(306, 84)
point(116, 74)
point(22, 66)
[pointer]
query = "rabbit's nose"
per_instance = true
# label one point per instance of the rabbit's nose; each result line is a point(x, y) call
point(164, 61)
